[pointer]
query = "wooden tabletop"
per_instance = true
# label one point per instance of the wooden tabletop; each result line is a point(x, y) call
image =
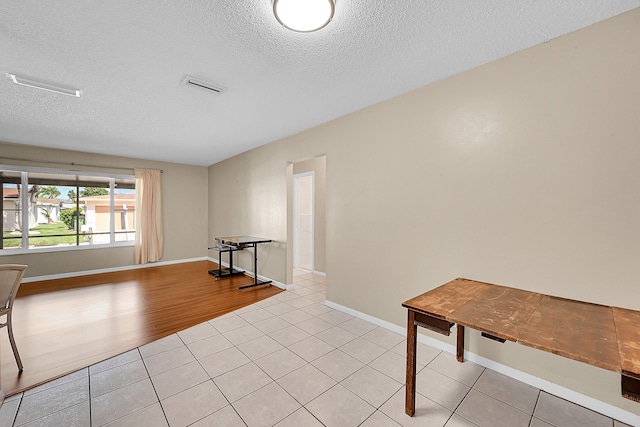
point(603, 336)
point(574, 329)
point(242, 240)
point(445, 299)
point(502, 312)
point(628, 330)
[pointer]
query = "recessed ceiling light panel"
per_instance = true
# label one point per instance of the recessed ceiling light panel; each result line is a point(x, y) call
point(304, 15)
point(22, 81)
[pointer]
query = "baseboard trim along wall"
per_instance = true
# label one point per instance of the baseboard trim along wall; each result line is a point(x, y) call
point(552, 388)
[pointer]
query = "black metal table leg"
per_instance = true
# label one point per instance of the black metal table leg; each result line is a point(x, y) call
point(256, 282)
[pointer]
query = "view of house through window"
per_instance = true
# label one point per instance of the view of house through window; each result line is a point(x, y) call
point(60, 208)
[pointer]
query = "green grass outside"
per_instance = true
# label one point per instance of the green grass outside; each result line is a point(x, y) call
point(41, 236)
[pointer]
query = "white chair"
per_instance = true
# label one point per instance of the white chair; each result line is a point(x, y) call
point(10, 279)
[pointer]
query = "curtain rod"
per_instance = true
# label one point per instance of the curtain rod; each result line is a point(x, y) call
point(69, 164)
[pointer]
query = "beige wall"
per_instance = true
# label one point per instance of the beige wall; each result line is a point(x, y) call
point(319, 167)
point(184, 209)
point(248, 196)
point(522, 172)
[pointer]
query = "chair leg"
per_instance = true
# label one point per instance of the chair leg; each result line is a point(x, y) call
point(14, 347)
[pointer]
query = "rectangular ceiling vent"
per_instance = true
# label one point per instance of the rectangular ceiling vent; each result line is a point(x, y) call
point(200, 84)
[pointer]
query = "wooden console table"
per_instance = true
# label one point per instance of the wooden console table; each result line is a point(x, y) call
point(602, 336)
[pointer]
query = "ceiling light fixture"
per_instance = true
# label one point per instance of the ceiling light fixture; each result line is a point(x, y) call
point(304, 15)
point(44, 86)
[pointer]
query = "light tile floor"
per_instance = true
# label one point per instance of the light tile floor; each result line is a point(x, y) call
point(287, 361)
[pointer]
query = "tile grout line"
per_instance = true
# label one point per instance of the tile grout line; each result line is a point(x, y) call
point(146, 368)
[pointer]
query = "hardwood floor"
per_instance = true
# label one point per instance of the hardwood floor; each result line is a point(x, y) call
point(66, 324)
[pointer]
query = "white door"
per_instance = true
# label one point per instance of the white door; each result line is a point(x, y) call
point(303, 221)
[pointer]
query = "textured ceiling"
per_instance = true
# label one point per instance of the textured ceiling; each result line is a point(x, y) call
point(130, 57)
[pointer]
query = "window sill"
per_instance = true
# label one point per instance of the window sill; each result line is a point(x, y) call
point(38, 250)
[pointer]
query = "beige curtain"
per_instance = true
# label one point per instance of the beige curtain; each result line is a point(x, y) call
point(149, 237)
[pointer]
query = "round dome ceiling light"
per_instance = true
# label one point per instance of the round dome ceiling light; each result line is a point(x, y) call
point(304, 15)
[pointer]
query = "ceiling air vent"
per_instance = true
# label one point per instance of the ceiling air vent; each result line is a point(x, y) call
point(200, 84)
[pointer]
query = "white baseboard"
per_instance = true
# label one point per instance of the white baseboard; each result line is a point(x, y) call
point(547, 386)
point(108, 270)
point(319, 273)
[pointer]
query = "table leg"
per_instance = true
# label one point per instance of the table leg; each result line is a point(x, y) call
point(410, 399)
point(255, 263)
point(256, 282)
point(460, 344)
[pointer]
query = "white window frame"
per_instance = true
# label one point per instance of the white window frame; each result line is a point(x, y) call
point(25, 249)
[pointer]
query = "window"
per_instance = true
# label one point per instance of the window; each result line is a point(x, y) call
point(62, 209)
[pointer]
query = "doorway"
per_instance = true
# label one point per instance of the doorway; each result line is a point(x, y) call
point(303, 220)
point(306, 215)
